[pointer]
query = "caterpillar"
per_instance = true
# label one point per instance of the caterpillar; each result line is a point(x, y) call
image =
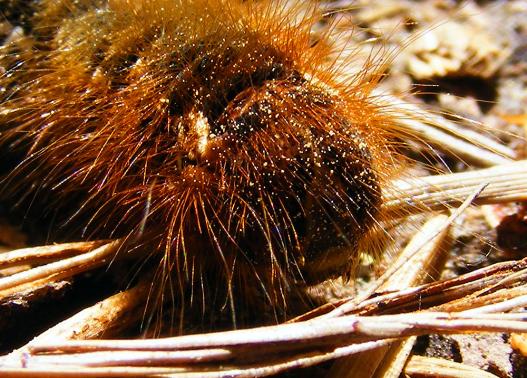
point(215, 136)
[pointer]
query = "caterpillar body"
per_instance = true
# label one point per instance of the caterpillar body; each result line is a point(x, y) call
point(215, 135)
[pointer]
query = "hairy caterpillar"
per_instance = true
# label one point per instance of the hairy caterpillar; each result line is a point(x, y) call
point(216, 136)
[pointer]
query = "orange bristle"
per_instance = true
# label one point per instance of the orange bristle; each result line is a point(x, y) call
point(215, 134)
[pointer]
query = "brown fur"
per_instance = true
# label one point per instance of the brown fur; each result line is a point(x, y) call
point(216, 133)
